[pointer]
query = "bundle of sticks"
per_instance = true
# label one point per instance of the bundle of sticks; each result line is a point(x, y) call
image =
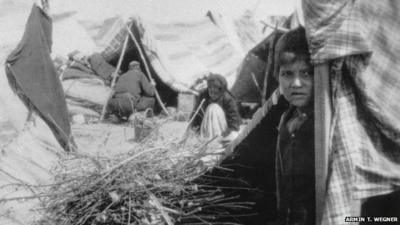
point(159, 182)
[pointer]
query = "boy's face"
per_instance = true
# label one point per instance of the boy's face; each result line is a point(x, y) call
point(296, 82)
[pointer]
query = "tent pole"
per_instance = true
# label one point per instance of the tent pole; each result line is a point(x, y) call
point(114, 77)
point(267, 71)
point(323, 115)
point(147, 68)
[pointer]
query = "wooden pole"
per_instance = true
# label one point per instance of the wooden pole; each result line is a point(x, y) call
point(256, 84)
point(255, 121)
point(147, 68)
point(185, 135)
point(323, 115)
point(114, 76)
point(268, 70)
point(197, 111)
point(274, 27)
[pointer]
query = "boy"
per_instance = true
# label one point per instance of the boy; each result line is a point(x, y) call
point(295, 171)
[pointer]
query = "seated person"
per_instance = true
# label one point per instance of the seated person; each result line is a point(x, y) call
point(295, 170)
point(219, 114)
point(133, 92)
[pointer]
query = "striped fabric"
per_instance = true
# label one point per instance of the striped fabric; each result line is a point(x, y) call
point(114, 47)
point(181, 53)
point(335, 28)
point(365, 146)
point(188, 51)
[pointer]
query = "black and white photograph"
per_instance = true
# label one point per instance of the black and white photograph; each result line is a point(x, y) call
point(199, 112)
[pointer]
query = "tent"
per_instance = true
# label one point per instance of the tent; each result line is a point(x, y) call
point(354, 48)
point(252, 78)
point(177, 54)
point(353, 44)
point(28, 159)
point(358, 45)
point(180, 53)
point(28, 156)
point(32, 75)
point(251, 82)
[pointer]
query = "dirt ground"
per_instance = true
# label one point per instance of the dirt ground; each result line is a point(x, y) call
point(13, 15)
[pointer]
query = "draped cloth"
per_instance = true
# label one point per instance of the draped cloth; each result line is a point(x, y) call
point(33, 76)
point(360, 42)
point(214, 121)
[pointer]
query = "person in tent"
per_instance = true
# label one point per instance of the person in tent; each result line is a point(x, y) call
point(133, 92)
point(218, 115)
point(295, 170)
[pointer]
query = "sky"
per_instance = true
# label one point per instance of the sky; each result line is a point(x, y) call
point(173, 10)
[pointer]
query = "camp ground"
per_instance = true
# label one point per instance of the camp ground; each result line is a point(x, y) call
point(60, 164)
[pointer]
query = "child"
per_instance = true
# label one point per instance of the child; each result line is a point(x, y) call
point(295, 171)
point(219, 114)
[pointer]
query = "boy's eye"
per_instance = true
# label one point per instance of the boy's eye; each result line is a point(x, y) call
point(306, 74)
point(286, 74)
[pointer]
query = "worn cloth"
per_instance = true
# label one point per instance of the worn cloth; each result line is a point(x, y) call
point(214, 122)
point(33, 76)
point(73, 73)
point(336, 28)
point(100, 66)
point(364, 156)
point(124, 105)
point(132, 92)
point(295, 171)
point(227, 103)
point(136, 83)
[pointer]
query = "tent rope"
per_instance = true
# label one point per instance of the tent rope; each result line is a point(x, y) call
point(147, 69)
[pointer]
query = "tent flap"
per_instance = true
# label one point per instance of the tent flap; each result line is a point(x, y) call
point(359, 39)
point(32, 75)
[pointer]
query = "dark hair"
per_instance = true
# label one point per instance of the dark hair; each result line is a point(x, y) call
point(290, 47)
point(217, 80)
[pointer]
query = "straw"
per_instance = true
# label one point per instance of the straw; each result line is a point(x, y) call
point(155, 183)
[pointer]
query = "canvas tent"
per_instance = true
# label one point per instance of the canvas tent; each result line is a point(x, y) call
point(178, 54)
point(29, 63)
point(250, 81)
point(359, 45)
point(182, 52)
point(30, 154)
